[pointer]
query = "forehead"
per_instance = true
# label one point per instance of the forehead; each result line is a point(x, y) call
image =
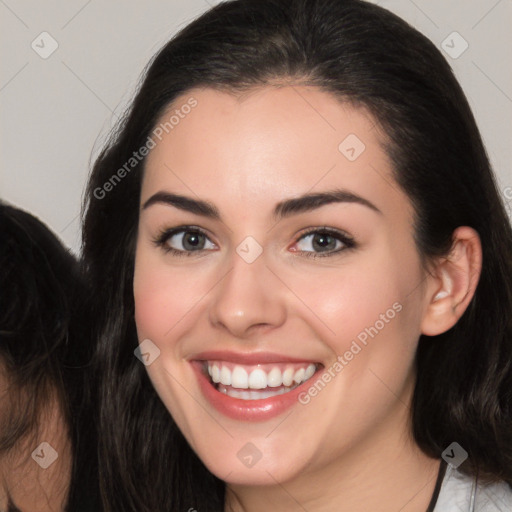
point(266, 145)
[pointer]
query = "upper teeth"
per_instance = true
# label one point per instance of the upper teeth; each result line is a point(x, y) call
point(259, 378)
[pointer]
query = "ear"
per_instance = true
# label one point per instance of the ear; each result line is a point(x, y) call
point(452, 282)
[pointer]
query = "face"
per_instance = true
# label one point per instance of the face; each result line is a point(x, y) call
point(278, 289)
point(27, 485)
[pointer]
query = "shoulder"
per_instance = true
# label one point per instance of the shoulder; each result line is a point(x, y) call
point(463, 493)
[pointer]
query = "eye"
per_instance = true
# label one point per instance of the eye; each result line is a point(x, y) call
point(184, 241)
point(322, 242)
point(317, 242)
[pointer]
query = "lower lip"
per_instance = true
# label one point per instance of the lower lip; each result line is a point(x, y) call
point(247, 410)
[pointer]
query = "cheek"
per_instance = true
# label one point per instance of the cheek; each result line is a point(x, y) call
point(161, 297)
point(349, 299)
point(366, 309)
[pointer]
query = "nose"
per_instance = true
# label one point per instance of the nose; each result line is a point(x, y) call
point(248, 299)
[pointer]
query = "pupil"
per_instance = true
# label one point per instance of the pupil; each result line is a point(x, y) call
point(323, 242)
point(192, 240)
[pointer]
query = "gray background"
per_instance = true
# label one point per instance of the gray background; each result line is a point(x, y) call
point(55, 112)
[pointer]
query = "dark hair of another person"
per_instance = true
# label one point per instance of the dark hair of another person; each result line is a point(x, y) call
point(44, 350)
point(367, 56)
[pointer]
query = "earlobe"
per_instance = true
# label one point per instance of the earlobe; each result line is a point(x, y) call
point(453, 283)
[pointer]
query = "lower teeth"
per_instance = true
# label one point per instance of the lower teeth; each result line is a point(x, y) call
point(253, 394)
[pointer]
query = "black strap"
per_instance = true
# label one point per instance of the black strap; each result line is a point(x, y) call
point(437, 488)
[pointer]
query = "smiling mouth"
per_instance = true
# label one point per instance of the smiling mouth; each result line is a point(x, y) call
point(257, 382)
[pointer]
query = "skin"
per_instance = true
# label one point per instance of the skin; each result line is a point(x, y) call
point(350, 447)
point(30, 486)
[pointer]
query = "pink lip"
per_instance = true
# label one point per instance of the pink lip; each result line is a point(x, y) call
point(246, 410)
point(248, 358)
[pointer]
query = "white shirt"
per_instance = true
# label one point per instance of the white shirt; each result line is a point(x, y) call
point(461, 493)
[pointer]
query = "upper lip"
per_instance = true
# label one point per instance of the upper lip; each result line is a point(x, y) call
point(248, 358)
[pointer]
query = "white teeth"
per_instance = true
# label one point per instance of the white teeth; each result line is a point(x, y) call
point(241, 378)
point(258, 379)
point(310, 370)
point(288, 377)
point(252, 395)
point(299, 375)
point(274, 378)
point(214, 373)
point(225, 376)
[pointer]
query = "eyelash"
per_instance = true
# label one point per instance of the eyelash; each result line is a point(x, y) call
point(166, 234)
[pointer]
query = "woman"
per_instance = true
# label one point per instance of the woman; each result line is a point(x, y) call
point(47, 450)
point(297, 232)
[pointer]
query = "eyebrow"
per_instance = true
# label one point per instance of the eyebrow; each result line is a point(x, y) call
point(287, 208)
